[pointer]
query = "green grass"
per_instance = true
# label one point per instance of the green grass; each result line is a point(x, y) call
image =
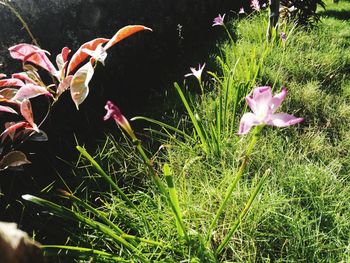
point(302, 213)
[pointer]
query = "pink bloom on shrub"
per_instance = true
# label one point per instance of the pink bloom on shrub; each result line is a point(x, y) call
point(196, 72)
point(114, 113)
point(241, 10)
point(264, 106)
point(219, 20)
point(255, 5)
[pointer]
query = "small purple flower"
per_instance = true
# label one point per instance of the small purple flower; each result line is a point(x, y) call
point(283, 36)
point(255, 5)
point(264, 106)
point(241, 10)
point(114, 113)
point(196, 72)
point(219, 20)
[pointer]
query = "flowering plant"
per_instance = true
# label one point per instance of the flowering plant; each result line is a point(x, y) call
point(72, 74)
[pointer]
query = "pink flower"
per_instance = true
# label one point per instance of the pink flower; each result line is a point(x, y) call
point(114, 113)
point(196, 72)
point(264, 105)
point(283, 36)
point(241, 10)
point(219, 20)
point(255, 5)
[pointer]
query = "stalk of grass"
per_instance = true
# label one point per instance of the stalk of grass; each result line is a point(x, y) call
point(105, 176)
point(81, 252)
point(164, 126)
point(239, 174)
point(243, 213)
point(162, 189)
point(194, 120)
point(109, 180)
point(64, 212)
point(20, 18)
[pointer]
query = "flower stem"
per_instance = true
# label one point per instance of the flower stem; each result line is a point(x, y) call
point(229, 34)
point(239, 174)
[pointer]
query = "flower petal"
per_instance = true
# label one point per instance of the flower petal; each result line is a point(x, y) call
point(248, 120)
point(278, 99)
point(283, 120)
point(114, 112)
point(262, 97)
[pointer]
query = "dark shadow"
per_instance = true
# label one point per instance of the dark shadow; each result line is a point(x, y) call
point(139, 72)
point(338, 14)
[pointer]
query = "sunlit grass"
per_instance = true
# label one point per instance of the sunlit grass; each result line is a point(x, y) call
point(302, 213)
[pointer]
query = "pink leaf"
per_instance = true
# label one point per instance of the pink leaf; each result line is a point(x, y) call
point(79, 86)
point(64, 85)
point(11, 128)
point(27, 113)
point(80, 55)
point(29, 91)
point(13, 159)
point(65, 52)
point(124, 33)
point(61, 58)
point(13, 82)
point(7, 109)
point(33, 54)
point(98, 54)
point(23, 76)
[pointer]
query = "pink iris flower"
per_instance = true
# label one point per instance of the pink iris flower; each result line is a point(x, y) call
point(114, 113)
point(196, 72)
point(264, 106)
point(219, 20)
point(255, 5)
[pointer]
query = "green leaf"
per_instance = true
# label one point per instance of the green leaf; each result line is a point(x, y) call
point(173, 198)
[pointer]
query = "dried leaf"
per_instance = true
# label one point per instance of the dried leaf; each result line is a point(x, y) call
point(13, 159)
